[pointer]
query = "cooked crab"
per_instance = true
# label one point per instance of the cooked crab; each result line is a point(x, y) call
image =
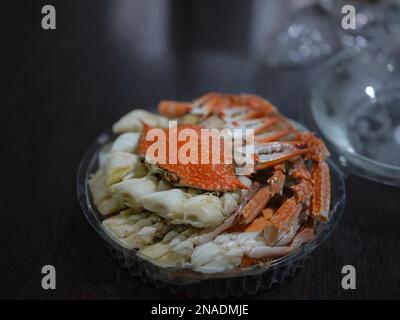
point(263, 213)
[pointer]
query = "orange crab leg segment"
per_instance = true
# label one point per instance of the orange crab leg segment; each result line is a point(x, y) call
point(268, 123)
point(303, 191)
point(275, 136)
point(262, 197)
point(247, 262)
point(255, 206)
point(174, 109)
point(256, 113)
point(258, 223)
point(282, 220)
point(322, 191)
point(280, 159)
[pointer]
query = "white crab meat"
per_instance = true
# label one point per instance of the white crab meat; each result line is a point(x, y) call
point(230, 203)
point(201, 211)
point(133, 121)
point(167, 204)
point(126, 142)
point(265, 251)
point(225, 252)
point(175, 248)
point(105, 203)
point(243, 192)
point(122, 165)
point(111, 205)
point(137, 230)
point(132, 191)
point(179, 207)
point(98, 187)
point(164, 185)
point(103, 155)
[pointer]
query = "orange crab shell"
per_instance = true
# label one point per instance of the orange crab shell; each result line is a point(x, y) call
point(205, 176)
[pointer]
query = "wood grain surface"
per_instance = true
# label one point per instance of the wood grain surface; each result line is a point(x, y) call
point(62, 88)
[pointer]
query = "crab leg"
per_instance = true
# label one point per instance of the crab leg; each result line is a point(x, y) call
point(322, 190)
point(214, 103)
point(259, 125)
point(234, 113)
point(302, 194)
point(269, 154)
point(242, 113)
point(257, 113)
point(281, 222)
point(299, 170)
point(174, 109)
point(303, 191)
point(209, 104)
point(273, 136)
point(283, 225)
point(263, 252)
point(262, 197)
point(232, 219)
point(270, 160)
point(259, 223)
point(252, 101)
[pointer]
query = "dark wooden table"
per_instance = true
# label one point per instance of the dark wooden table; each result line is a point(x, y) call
point(61, 88)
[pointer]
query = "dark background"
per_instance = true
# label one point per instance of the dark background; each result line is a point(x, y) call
point(63, 87)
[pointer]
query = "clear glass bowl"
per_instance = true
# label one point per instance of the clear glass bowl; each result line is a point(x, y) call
point(354, 103)
point(240, 282)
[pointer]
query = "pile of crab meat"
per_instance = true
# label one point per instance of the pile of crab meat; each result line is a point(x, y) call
point(208, 217)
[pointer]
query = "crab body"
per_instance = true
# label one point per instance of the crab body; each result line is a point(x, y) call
point(200, 174)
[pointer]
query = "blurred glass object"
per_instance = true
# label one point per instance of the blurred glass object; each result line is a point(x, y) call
point(375, 19)
point(370, 22)
point(392, 16)
point(303, 33)
point(355, 103)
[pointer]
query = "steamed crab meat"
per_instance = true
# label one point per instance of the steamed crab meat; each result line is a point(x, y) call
point(133, 121)
point(132, 191)
point(137, 230)
point(122, 165)
point(227, 251)
point(126, 142)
